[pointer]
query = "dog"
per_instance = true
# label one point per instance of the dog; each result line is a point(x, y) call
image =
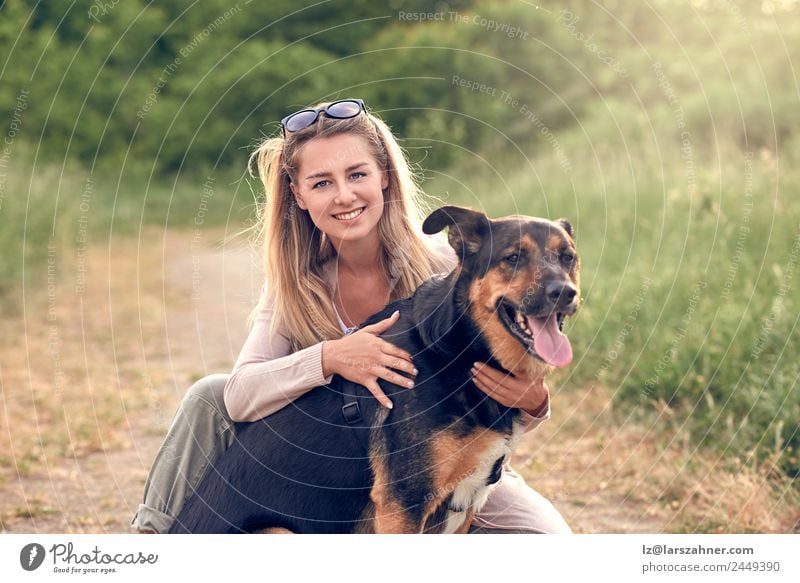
point(336, 461)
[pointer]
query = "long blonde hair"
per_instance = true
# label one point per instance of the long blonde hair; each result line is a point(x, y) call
point(295, 250)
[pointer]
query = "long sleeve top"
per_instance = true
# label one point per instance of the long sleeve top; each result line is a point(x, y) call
point(268, 376)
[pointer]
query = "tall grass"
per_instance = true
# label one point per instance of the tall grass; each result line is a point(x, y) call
point(49, 213)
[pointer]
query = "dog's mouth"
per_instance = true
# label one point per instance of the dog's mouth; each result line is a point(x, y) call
point(540, 335)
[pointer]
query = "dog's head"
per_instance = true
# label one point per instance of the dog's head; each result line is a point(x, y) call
point(521, 275)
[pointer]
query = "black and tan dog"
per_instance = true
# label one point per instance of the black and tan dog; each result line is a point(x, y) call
point(428, 464)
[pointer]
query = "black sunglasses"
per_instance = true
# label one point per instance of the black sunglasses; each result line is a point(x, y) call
point(342, 109)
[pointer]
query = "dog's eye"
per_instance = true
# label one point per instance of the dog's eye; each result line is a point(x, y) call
point(568, 258)
point(513, 258)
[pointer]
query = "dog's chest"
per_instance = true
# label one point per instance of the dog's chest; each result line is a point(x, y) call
point(473, 489)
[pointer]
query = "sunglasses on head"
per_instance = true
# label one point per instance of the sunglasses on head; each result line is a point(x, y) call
point(342, 109)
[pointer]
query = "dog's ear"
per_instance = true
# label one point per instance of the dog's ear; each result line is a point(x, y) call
point(467, 227)
point(567, 227)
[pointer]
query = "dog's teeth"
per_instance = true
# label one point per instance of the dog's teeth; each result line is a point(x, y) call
point(523, 324)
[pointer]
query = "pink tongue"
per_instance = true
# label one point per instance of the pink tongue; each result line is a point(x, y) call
point(549, 342)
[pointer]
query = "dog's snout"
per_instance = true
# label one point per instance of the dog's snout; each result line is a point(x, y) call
point(561, 294)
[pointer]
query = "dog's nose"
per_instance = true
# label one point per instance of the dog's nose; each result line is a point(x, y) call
point(561, 294)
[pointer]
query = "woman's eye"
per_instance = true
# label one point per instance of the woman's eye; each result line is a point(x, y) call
point(321, 184)
point(357, 175)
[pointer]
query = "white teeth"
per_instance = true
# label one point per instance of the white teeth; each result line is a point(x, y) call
point(523, 324)
point(350, 215)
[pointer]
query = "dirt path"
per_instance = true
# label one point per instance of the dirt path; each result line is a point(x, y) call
point(156, 317)
point(160, 312)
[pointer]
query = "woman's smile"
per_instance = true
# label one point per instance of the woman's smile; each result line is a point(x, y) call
point(349, 216)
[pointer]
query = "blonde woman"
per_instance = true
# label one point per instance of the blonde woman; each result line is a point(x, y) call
point(342, 238)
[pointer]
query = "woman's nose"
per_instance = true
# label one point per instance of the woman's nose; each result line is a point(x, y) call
point(345, 196)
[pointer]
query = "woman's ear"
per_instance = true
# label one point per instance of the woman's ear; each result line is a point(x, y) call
point(297, 196)
point(384, 180)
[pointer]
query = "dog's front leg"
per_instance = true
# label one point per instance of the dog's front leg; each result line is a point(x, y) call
point(464, 528)
point(394, 512)
point(391, 519)
point(393, 516)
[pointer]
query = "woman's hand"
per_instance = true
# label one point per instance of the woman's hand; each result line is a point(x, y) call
point(511, 391)
point(363, 358)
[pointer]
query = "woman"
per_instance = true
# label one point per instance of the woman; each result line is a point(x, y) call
point(342, 238)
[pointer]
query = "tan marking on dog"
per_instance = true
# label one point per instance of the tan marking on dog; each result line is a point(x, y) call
point(529, 244)
point(525, 245)
point(575, 272)
point(455, 458)
point(386, 514)
point(468, 240)
point(464, 528)
point(389, 515)
point(554, 243)
point(484, 294)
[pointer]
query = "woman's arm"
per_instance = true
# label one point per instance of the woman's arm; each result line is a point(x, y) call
point(267, 376)
point(532, 419)
point(530, 395)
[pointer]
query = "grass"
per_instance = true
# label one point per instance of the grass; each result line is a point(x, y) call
point(50, 213)
point(606, 472)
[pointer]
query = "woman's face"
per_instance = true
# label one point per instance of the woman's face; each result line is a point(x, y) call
point(341, 186)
